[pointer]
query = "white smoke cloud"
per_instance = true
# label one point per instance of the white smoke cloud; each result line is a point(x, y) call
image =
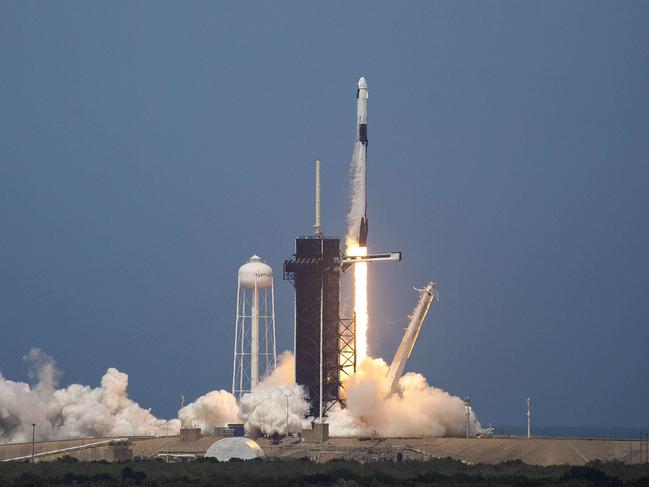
point(74, 411)
point(264, 409)
point(216, 408)
point(79, 411)
point(417, 410)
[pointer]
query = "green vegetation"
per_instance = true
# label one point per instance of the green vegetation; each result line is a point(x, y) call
point(443, 472)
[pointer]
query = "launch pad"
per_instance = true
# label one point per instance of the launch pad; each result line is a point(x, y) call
point(325, 345)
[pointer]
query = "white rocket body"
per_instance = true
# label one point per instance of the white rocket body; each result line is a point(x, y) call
point(361, 140)
point(361, 107)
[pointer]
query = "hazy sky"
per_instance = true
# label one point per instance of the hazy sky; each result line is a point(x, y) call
point(148, 149)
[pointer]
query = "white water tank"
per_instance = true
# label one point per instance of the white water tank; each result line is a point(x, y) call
point(255, 271)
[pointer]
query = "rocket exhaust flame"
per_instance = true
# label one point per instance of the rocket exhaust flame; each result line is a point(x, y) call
point(360, 303)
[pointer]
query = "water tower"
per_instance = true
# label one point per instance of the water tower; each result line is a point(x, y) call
point(254, 336)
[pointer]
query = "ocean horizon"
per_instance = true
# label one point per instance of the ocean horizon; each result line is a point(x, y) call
point(610, 432)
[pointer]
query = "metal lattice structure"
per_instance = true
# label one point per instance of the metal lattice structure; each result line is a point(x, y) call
point(254, 355)
point(319, 332)
point(347, 351)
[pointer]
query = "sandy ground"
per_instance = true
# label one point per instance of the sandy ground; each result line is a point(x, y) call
point(537, 451)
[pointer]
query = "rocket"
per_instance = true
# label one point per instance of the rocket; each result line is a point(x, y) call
point(361, 138)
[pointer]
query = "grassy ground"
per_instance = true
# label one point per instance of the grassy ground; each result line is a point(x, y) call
point(302, 473)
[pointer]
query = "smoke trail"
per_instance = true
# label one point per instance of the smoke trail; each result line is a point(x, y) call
point(74, 411)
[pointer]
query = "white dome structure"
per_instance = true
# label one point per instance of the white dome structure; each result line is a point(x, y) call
point(236, 447)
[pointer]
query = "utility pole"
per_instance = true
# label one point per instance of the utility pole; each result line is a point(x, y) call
point(640, 450)
point(287, 394)
point(529, 418)
point(33, 440)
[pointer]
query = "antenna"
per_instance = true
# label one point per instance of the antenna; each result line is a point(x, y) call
point(316, 227)
point(529, 417)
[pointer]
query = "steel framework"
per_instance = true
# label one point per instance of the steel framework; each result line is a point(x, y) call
point(324, 344)
point(255, 354)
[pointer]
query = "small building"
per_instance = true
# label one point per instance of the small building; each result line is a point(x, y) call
point(319, 433)
point(190, 434)
point(223, 431)
point(237, 429)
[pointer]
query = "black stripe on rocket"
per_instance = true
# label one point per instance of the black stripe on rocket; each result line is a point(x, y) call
point(362, 133)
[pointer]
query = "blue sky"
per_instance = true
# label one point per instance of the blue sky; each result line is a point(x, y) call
point(149, 148)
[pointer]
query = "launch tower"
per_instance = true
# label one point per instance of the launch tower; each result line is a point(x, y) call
point(323, 342)
point(314, 270)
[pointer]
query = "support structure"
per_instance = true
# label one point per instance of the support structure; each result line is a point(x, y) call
point(255, 355)
point(347, 343)
point(314, 271)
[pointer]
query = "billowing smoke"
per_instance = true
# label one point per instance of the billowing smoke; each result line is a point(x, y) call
point(74, 411)
point(356, 194)
point(80, 411)
point(264, 410)
point(418, 409)
point(216, 408)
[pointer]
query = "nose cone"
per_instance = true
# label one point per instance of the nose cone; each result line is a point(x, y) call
point(362, 84)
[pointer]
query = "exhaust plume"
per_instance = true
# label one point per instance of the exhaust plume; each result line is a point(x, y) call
point(356, 213)
point(80, 411)
point(264, 409)
point(417, 410)
point(216, 408)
